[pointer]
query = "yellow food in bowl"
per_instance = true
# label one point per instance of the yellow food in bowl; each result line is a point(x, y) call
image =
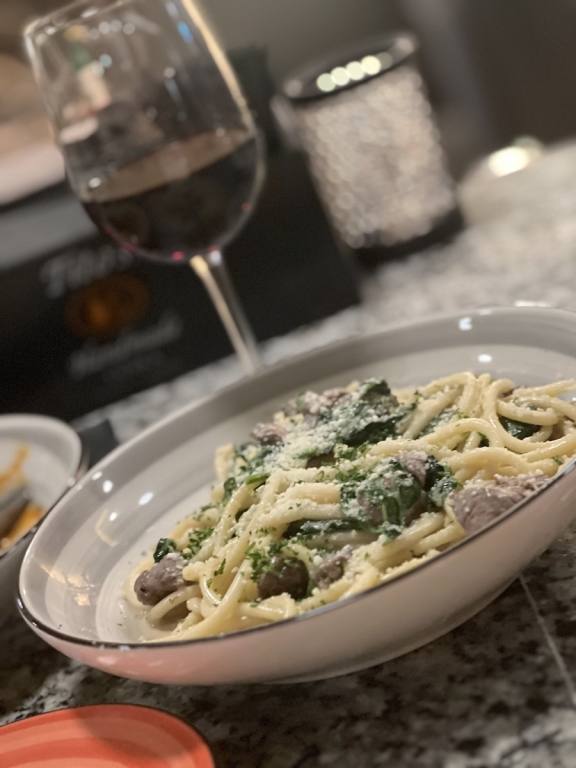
point(30, 514)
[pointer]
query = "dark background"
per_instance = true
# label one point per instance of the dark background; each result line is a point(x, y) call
point(497, 69)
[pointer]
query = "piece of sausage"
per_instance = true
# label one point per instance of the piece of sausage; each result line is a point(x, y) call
point(159, 581)
point(314, 403)
point(415, 462)
point(479, 504)
point(321, 460)
point(268, 433)
point(332, 567)
point(286, 574)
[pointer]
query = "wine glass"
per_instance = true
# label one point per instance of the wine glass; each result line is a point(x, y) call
point(159, 144)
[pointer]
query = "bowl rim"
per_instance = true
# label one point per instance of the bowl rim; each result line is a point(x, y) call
point(78, 469)
point(442, 557)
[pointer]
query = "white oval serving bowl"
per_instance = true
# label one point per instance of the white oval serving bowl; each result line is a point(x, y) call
point(53, 464)
point(72, 577)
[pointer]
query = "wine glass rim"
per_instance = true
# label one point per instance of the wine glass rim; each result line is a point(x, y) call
point(70, 14)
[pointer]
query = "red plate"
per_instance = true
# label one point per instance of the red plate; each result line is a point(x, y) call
point(103, 736)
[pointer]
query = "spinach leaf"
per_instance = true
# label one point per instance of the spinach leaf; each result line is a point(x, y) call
point(319, 453)
point(389, 496)
point(371, 432)
point(442, 418)
point(363, 421)
point(439, 482)
point(257, 479)
point(163, 547)
point(441, 489)
point(348, 452)
point(518, 429)
point(374, 389)
point(304, 528)
point(250, 465)
point(230, 485)
point(366, 416)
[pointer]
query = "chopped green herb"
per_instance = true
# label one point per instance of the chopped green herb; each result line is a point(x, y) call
point(352, 474)
point(275, 548)
point(220, 570)
point(259, 561)
point(197, 538)
point(249, 465)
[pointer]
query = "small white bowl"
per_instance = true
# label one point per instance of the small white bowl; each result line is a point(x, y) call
point(54, 462)
point(71, 582)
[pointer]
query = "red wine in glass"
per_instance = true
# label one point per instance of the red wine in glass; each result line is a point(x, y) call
point(190, 197)
point(159, 144)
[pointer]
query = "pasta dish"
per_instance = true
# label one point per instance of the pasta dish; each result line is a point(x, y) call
point(345, 489)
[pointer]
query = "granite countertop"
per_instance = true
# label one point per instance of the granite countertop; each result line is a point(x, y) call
point(498, 691)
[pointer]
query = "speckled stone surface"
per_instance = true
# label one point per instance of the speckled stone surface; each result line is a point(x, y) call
point(498, 691)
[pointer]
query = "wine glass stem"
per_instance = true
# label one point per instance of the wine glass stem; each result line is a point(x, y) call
point(212, 271)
